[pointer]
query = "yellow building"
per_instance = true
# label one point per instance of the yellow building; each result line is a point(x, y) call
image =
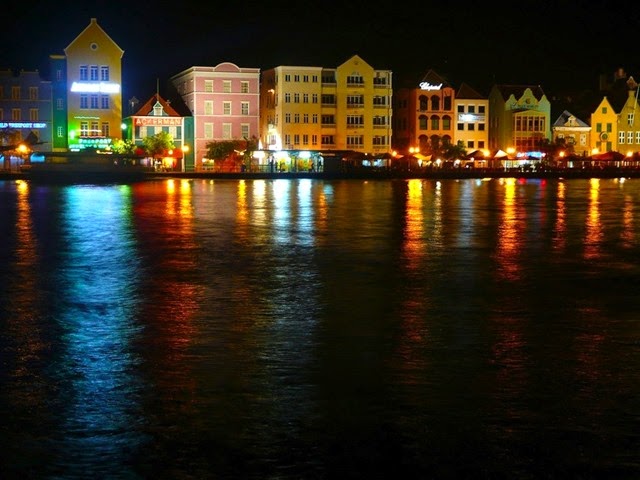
point(94, 89)
point(325, 109)
point(471, 119)
point(604, 128)
point(628, 138)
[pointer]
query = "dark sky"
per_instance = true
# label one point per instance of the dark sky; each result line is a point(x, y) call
point(556, 46)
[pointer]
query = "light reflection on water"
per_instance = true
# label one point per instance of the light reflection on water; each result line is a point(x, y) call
point(309, 329)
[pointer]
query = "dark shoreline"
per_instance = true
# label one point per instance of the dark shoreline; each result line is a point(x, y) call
point(360, 174)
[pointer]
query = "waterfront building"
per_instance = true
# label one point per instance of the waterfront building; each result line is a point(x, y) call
point(347, 108)
point(604, 126)
point(628, 138)
point(574, 133)
point(472, 118)
point(519, 119)
point(424, 115)
point(87, 86)
point(25, 109)
point(157, 115)
point(224, 102)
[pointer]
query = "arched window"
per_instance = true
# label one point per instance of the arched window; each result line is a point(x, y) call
point(424, 124)
point(424, 103)
point(446, 122)
point(447, 103)
point(435, 122)
point(435, 102)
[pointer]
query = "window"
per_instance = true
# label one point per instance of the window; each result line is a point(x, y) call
point(314, 98)
point(379, 140)
point(296, 98)
point(84, 129)
point(226, 86)
point(95, 131)
point(621, 137)
point(460, 108)
point(327, 140)
point(226, 131)
point(314, 78)
point(94, 101)
point(355, 140)
point(244, 108)
point(305, 78)
point(84, 100)
point(446, 122)
point(460, 127)
point(305, 139)
point(104, 73)
point(105, 129)
point(630, 119)
point(447, 103)
point(305, 98)
point(84, 73)
point(435, 123)
point(15, 93)
point(379, 101)
point(629, 137)
point(598, 127)
point(244, 130)
point(33, 93)
point(328, 99)
point(481, 144)
point(609, 127)
point(244, 87)
point(208, 107)
point(423, 123)
point(287, 118)
point(287, 98)
point(314, 139)
point(296, 139)
point(435, 102)
point(355, 101)
point(287, 78)
point(296, 118)
point(379, 120)
point(59, 132)
point(33, 114)
point(296, 78)
point(314, 118)
point(480, 108)
point(305, 118)
point(328, 120)
point(355, 120)
point(481, 127)
point(471, 109)
point(208, 86)
point(93, 73)
point(471, 127)
point(226, 108)
point(604, 110)
point(637, 138)
point(15, 115)
point(208, 130)
point(104, 102)
point(58, 75)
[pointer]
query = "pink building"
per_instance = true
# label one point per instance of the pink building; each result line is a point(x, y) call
point(224, 101)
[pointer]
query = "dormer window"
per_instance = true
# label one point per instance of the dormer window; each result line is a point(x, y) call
point(157, 110)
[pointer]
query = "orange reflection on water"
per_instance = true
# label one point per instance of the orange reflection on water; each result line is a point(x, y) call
point(628, 233)
point(593, 231)
point(413, 247)
point(508, 234)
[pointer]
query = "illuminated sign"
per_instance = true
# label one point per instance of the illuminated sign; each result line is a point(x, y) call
point(157, 121)
point(428, 86)
point(102, 87)
point(90, 142)
point(22, 125)
point(470, 117)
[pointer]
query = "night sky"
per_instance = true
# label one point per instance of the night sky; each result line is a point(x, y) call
point(560, 47)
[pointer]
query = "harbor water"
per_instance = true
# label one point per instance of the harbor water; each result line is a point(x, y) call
point(312, 329)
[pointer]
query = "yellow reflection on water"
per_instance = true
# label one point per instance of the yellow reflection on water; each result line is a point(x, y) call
point(593, 231)
point(414, 225)
point(628, 233)
point(560, 232)
point(508, 234)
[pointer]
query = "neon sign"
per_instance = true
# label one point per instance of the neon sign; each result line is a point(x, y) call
point(102, 87)
point(22, 125)
point(428, 86)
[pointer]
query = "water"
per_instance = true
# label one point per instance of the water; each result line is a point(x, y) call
point(295, 329)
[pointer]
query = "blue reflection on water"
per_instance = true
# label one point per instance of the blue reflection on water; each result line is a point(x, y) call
point(97, 280)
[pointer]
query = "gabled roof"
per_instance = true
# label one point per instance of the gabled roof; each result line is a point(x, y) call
point(518, 90)
point(146, 109)
point(565, 118)
point(93, 24)
point(434, 78)
point(465, 92)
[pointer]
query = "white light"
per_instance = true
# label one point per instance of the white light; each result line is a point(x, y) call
point(102, 87)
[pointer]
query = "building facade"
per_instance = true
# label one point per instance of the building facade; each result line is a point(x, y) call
point(157, 115)
point(573, 133)
point(604, 128)
point(93, 91)
point(519, 118)
point(25, 108)
point(424, 115)
point(471, 119)
point(224, 102)
point(327, 109)
point(628, 138)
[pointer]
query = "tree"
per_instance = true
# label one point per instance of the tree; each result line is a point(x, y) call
point(158, 145)
point(123, 147)
point(220, 150)
point(453, 152)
